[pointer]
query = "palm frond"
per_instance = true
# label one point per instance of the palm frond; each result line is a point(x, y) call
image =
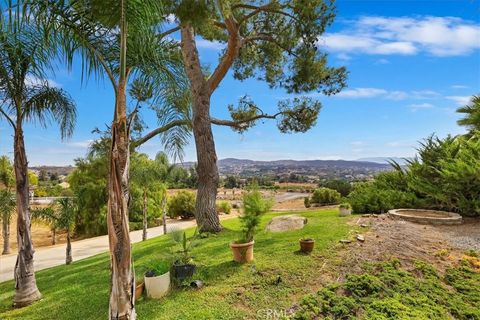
point(47, 103)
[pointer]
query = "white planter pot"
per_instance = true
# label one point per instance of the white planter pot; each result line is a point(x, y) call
point(157, 287)
point(345, 212)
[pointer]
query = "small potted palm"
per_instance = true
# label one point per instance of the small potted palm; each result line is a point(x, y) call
point(307, 244)
point(157, 280)
point(184, 266)
point(254, 206)
point(345, 209)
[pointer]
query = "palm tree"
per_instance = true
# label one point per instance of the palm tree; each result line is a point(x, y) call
point(7, 202)
point(97, 30)
point(471, 118)
point(61, 215)
point(146, 174)
point(26, 52)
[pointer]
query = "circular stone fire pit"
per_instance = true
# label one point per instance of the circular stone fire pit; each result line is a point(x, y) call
point(426, 216)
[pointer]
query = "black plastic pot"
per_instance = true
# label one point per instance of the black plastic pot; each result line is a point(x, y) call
point(183, 271)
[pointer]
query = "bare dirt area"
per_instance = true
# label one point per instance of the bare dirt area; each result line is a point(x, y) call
point(41, 235)
point(443, 246)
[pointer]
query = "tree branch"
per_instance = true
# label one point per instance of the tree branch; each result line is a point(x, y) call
point(269, 38)
point(242, 123)
point(233, 45)
point(158, 131)
point(258, 9)
point(166, 33)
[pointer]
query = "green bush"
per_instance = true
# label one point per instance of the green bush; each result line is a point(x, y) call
point(325, 196)
point(306, 202)
point(182, 205)
point(342, 186)
point(368, 197)
point(225, 207)
point(254, 206)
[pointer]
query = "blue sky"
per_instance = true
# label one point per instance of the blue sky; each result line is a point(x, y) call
point(410, 63)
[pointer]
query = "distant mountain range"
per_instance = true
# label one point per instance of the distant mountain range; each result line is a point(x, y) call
point(345, 169)
point(385, 160)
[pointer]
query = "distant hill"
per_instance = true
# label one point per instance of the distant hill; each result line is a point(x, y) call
point(313, 168)
point(385, 160)
point(58, 170)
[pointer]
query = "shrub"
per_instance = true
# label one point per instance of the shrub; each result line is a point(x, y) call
point(254, 206)
point(225, 207)
point(306, 202)
point(345, 205)
point(342, 186)
point(367, 197)
point(325, 196)
point(182, 205)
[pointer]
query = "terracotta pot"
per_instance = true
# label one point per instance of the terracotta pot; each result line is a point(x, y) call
point(242, 252)
point(157, 287)
point(139, 290)
point(306, 245)
point(345, 212)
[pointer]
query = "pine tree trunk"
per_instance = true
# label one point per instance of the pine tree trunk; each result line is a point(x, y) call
point(54, 235)
point(122, 297)
point(26, 291)
point(68, 258)
point(6, 234)
point(145, 222)
point(205, 207)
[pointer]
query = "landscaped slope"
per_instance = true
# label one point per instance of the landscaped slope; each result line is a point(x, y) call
point(275, 281)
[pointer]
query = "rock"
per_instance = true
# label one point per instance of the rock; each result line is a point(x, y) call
point(361, 238)
point(363, 225)
point(345, 241)
point(286, 223)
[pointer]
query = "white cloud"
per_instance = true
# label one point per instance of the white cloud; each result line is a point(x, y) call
point(438, 36)
point(212, 45)
point(362, 93)
point(459, 100)
point(386, 94)
point(417, 106)
point(459, 86)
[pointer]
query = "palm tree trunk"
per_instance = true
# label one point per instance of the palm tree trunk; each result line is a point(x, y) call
point(205, 207)
point(164, 212)
point(6, 234)
point(54, 235)
point(26, 291)
point(122, 291)
point(122, 303)
point(144, 235)
point(68, 258)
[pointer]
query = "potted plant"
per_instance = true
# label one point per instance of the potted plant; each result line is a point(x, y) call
point(183, 267)
point(254, 206)
point(345, 209)
point(157, 280)
point(307, 244)
point(140, 286)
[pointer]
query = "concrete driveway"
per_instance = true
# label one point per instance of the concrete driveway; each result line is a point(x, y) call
point(47, 257)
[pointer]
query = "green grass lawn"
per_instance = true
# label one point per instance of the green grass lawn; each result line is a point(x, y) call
point(277, 278)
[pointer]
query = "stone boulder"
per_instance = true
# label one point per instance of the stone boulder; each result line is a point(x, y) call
point(286, 223)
